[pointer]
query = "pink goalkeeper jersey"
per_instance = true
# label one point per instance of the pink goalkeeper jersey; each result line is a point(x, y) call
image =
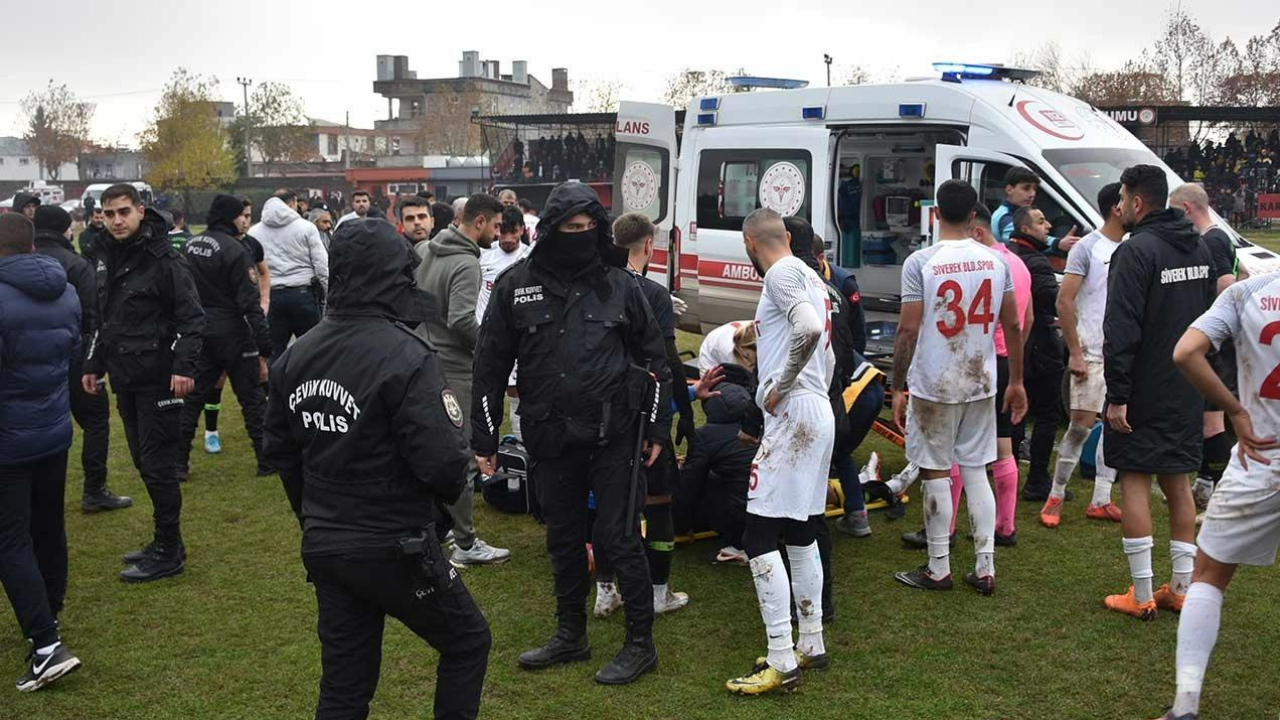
point(1021, 292)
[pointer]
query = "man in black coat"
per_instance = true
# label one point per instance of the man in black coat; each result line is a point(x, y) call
point(369, 445)
point(146, 340)
point(1159, 283)
point(1044, 351)
point(237, 341)
point(589, 351)
point(91, 412)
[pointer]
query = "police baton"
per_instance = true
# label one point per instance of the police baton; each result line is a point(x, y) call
point(648, 414)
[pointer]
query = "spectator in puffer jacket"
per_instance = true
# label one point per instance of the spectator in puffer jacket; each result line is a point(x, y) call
point(299, 266)
point(39, 334)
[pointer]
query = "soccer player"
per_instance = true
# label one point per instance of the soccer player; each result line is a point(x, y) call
point(1242, 524)
point(1158, 284)
point(788, 489)
point(1081, 302)
point(952, 293)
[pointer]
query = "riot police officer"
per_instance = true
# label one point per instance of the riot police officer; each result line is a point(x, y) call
point(237, 340)
point(369, 445)
point(589, 352)
point(146, 341)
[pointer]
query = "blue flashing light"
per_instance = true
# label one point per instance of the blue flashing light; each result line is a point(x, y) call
point(965, 70)
point(707, 118)
point(709, 104)
point(814, 113)
point(911, 110)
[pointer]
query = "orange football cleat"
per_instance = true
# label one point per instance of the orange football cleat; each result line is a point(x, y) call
point(1110, 511)
point(1129, 605)
point(1167, 599)
point(1051, 513)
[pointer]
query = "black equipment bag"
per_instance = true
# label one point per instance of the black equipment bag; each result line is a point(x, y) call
point(510, 489)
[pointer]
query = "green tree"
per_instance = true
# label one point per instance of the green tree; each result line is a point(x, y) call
point(185, 144)
point(281, 131)
point(57, 127)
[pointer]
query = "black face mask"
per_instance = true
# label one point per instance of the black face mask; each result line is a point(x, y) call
point(570, 251)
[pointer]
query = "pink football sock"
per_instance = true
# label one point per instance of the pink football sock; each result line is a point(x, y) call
point(957, 487)
point(1005, 472)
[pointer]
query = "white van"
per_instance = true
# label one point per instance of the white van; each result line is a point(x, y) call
point(95, 191)
point(793, 150)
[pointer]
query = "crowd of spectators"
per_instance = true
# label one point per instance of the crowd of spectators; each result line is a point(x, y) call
point(571, 155)
point(1234, 171)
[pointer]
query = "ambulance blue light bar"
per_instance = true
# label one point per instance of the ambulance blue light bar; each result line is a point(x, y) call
point(980, 71)
point(911, 110)
point(813, 113)
point(707, 118)
point(709, 104)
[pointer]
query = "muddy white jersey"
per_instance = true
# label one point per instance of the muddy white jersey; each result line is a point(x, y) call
point(1248, 313)
point(960, 285)
point(1090, 259)
point(787, 284)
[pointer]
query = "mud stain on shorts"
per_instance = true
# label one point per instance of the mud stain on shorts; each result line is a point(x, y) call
point(802, 440)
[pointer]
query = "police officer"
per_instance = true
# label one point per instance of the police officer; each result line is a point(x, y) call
point(369, 445)
point(587, 343)
point(237, 340)
point(147, 340)
point(91, 412)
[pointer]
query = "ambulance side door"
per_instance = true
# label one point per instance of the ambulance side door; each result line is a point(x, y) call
point(644, 172)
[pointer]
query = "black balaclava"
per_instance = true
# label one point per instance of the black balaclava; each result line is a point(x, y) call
point(223, 212)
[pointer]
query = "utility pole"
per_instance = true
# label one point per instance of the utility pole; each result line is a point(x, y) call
point(827, 59)
point(248, 147)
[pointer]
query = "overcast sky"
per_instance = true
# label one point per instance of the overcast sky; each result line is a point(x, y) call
point(326, 50)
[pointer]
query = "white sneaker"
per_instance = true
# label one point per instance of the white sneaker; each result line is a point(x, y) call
point(480, 553)
point(665, 601)
point(731, 554)
point(607, 599)
point(904, 478)
point(870, 471)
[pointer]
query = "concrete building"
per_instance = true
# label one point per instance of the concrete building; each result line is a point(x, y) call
point(433, 116)
point(18, 164)
point(107, 165)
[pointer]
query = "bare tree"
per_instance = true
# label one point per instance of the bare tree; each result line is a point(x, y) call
point(1135, 83)
point(57, 127)
point(597, 96)
point(281, 129)
point(1057, 72)
point(853, 75)
point(686, 85)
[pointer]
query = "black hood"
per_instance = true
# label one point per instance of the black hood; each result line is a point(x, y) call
point(729, 406)
point(21, 200)
point(371, 273)
point(1172, 226)
point(49, 238)
point(569, 199)
point(802, 242)
point(222, 213)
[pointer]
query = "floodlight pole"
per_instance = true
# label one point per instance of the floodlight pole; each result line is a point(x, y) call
point(248, 148)
point(827, 59)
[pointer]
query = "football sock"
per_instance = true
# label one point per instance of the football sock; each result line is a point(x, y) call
point(937, 524)
point(1217, 453)
point(957, 487)
point(1103, 478)
point(806, 586)
point(1005, 474)
point(982, 513)
point(773, 590)
point(1184, 561)
point(1068, 456)
point(1197, 633)
point(1138, 551)
point(900, 482)
point(211, 411)
point(659, 541)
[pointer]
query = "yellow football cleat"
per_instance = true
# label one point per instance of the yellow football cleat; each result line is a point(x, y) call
point(768, 680)
point(804, 662)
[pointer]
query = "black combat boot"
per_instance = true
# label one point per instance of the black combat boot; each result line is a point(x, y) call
point(163, 558)
point(569, 644)
point(100, 499)
point(637, 657)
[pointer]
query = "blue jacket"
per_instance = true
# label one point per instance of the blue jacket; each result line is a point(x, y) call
point(39, 333)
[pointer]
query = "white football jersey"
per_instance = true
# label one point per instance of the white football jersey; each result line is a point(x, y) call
point(1091, 259)
point(492, 262)
point(788, 283)
point(717, 346)
point(1249, 313)
point(961, 285)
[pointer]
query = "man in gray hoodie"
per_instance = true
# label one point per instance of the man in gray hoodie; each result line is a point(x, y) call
point(299, 266)
point(450, 273)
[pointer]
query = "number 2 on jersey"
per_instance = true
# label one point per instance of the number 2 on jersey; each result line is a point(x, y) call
point(1271, 385)
point(979, 309)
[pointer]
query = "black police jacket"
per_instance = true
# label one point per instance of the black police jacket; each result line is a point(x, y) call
point(366, 434)
point(79, 273)
point(149, 324)
point(576, 342)
point(227, 281)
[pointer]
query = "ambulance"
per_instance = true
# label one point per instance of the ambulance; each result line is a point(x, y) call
point(861, 164)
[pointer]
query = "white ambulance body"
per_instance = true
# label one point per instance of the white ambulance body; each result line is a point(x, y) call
point(792, 151)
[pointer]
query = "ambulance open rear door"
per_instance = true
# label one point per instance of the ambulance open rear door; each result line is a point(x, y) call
point(644, 172)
